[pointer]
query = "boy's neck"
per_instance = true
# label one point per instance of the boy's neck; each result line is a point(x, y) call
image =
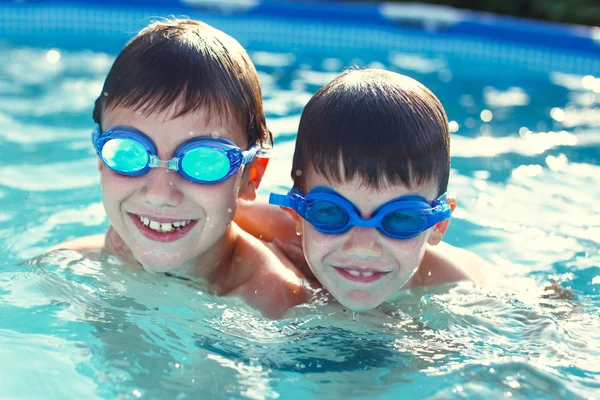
point(214, 268)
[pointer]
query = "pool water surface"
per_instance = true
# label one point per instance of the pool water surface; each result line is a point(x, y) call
point(524, 147)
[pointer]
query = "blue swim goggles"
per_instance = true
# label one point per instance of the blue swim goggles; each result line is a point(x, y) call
point(204, 160)
point(331, 213)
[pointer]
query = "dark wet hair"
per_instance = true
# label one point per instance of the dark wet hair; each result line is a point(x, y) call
point(188, 65)
point(378, 125)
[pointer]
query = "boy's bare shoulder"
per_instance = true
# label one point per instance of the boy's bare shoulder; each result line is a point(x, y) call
point(445, 263)
point(82, 244)
point(275, 284)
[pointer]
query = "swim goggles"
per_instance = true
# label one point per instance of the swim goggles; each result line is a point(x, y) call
point(204, 159)
point(331, 213)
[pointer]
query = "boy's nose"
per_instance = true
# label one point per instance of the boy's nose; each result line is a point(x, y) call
point(363, 242)
point(161, 188)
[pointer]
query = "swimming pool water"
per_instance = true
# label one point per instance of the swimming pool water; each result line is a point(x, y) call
point(525, 150)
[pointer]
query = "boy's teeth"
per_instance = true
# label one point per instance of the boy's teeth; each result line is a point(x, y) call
point(164, 226)
point(154, 225)
point(365, 274)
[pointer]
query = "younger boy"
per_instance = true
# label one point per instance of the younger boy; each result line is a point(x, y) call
point(180, 133)
point(370, 173)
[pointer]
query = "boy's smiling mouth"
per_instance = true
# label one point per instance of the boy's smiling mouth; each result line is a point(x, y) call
point(162, 229)
point(163, 226)
point(361, 275)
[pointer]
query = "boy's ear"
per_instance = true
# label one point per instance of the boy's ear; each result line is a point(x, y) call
point(256, 171)
point(100, 165)
point(439, 230)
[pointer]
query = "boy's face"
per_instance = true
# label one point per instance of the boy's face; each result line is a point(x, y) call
point(164, 196)
point(362, 267)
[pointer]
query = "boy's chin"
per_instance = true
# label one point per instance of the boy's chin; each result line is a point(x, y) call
point(359, 300)
point(157, 269)
point(158, 263)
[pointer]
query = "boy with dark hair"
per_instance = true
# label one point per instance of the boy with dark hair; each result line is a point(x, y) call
point(370, 174)
point(180, 137)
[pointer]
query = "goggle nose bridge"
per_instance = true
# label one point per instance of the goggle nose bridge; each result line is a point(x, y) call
point(156, 162)
point(364, 223)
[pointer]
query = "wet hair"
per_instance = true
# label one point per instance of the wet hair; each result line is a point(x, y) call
point(184, 66)
point(380, 126)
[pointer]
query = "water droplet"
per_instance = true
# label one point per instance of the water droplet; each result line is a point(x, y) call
point(354, 315)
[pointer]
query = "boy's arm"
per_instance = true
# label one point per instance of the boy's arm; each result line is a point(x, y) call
point(82, 244)
point(445, 263)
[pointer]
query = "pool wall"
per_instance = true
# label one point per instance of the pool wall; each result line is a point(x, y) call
point(506, 41)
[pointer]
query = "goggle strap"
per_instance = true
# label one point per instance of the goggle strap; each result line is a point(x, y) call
point(264, 153)
point(249, 154)
point(95, 134)
point(438, 204)
point(282, 200)
point(291, 201)
point(441, 212)
point(440, 201)
point(255, 151)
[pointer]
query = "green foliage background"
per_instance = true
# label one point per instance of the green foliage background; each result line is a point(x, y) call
point(583, 12)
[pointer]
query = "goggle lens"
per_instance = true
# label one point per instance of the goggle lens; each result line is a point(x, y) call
point(404, 223)
point(327, 215)
point(125, 155)
point(206, 164)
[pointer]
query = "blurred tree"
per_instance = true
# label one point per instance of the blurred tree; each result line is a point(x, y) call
point(584, 12)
